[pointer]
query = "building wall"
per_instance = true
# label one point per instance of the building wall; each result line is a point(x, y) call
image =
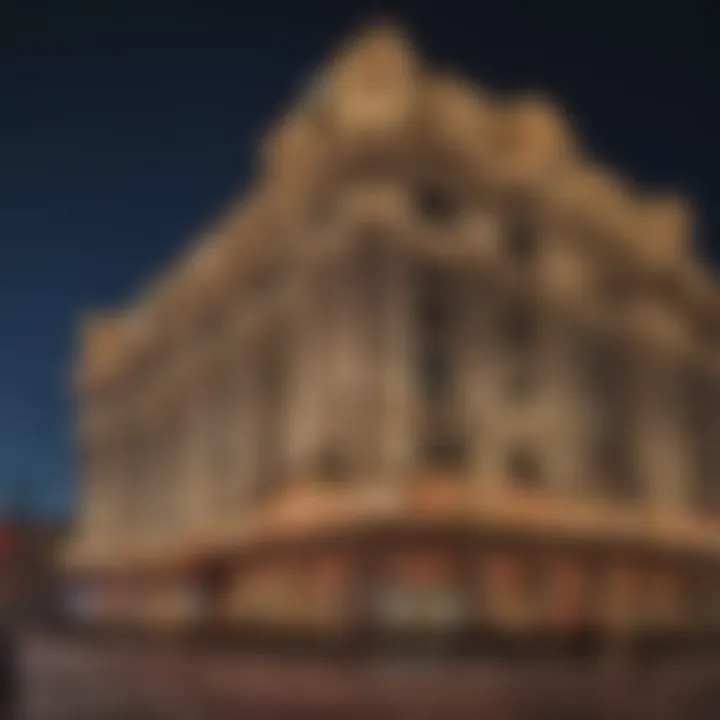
point(288, 353)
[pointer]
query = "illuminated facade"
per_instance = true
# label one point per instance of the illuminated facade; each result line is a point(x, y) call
point(438, 369)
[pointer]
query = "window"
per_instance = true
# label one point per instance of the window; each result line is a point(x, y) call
point(612, 453)
point(445, 453)
point(521, 383)
point(521, 329)
point(520, 332)
point(332, 466)
point(435, 373)
point(524, 468)
point(700, 600)
point(420, 593)
point(521, 240)
point(441, 443)
point(435, 352)
point(271, 389)
point(616, 287)
point(436, 205)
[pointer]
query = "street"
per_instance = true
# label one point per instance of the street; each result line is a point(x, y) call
point(66, 680)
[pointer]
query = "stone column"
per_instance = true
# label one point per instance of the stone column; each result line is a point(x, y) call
point(500, 420)
point(611, 369)
point(143, 488)
point(662, 449)
point(306, 412)
point(118, 482)
point(93, 461)
point(243, 425)
point(478, 374)
point(148, 482)
point(102, 488)
point(122, 476)
point(565, 408)
point(194, 449)
point(346, 369)
point(397, 412)
point(220, 389)
point(169, 467)
point(271, 380)
point(209, 391)
point(701, 433)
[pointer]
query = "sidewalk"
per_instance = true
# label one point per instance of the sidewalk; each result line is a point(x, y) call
point(74, 681)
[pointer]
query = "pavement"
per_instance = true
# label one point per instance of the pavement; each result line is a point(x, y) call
point(69, 680)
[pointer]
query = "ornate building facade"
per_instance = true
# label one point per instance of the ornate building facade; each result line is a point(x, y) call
point(438, 369)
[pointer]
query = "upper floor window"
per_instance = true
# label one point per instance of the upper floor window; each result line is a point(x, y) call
point(521, 329)
point(524, 467)
point(616, 286)
point(447, 453)
point(612, 424)
point(271, 383)
point(332, 465)
point(436, 205)
point(434, 321)
point(521, 383)
point(521, 240)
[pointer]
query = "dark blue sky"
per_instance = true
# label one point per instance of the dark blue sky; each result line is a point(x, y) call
point(125, 126)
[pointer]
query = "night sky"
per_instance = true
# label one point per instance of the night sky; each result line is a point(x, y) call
point(124, 128)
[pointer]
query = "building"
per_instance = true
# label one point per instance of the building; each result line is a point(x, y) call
point(439, 369)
